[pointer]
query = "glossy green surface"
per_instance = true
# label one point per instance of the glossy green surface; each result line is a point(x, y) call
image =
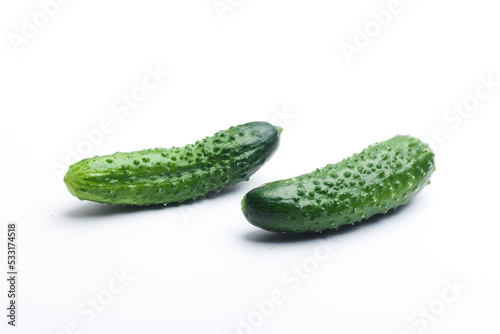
point(381, 177)
point(162, 176)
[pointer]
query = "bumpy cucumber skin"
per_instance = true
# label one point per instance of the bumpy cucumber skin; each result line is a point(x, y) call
point(162, 176)
point(381, 177)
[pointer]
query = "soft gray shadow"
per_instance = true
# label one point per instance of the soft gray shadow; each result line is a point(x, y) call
point(92, 210)
point(262, 236)
point(88, 209)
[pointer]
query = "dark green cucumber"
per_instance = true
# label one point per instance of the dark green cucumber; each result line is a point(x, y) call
point(162, 176)
point(381, 177)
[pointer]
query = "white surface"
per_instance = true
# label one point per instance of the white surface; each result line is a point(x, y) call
point(200, 267)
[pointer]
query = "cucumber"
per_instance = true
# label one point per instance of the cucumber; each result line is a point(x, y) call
point(381, 177)
point(162, 176)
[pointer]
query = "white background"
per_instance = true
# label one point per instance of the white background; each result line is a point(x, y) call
point(200, 267)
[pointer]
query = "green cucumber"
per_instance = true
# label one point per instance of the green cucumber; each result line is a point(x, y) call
point(162, 176)
point(381, 177)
